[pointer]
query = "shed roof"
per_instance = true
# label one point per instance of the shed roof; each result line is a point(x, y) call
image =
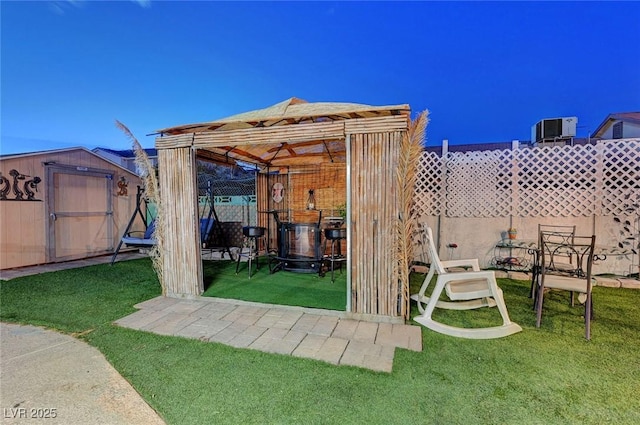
point(63, 151)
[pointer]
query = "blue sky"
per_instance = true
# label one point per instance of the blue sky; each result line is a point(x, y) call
point(486, 71)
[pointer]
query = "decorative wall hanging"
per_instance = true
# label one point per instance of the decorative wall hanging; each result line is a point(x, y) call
point(277, 192)
point(30, 187)
point(311, 200)
point(122, 186)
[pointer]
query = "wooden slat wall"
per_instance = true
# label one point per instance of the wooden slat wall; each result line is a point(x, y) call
point(182, 267)
point(277, 134)
point(265, 203)
point(374, 279)
point(377, 125)
point(329, 183)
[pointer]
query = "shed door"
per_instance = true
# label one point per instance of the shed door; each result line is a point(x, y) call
point(80, 212)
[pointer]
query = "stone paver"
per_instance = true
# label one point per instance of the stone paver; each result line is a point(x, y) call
point(399, 336)
point(306, 322)
point(324, 326)
point(607, 282)
point(171, 324)
point(229, 332)
point(366, 331)
point(279, 319)
point(368, 355)
point(630, 283)
point(141, 319)
point(332, 350)
point(247, 337)
point(326, 336)
point(203, 329)
point(215, 310)
point(345, 329)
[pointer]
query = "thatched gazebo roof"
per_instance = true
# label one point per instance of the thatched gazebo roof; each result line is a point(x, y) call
point(251, 135)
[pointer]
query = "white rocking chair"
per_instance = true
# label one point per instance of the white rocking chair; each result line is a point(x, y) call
point(467, 290)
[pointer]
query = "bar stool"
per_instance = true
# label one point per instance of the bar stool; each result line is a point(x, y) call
point(251, 235)
point(335, 237)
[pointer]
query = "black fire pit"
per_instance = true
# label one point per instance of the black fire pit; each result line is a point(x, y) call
point(299, 247)
point(333, 233)
point(253, 232)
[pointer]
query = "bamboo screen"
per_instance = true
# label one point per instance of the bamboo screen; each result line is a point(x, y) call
point(182, 275)
point(328, 182)
point(374, 278)
point(265, 203)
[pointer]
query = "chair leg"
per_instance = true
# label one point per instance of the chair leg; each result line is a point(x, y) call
point(534, 279)
point(433, 299)
point(534, 291)
point(539, 302)
point(499, 297)
point(333, 244)
point(588, 316)
point(253, 254)
point(238, 261)
point(425, 284)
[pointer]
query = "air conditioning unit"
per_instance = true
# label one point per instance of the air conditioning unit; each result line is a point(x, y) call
point(554, 128)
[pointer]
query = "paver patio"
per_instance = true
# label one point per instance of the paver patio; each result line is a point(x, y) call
point(325, 335)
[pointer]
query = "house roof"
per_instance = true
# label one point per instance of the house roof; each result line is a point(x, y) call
point(127, 153)
point(632, 117)
point(477, 147)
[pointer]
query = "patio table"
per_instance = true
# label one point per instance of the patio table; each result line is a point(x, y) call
point(600, 253)
point(515, 261)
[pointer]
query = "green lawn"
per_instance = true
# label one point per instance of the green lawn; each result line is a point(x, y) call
point(301, 289)
point(551, 375)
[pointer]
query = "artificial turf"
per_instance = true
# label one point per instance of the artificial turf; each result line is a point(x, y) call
point(281, 287)
point(538, 376)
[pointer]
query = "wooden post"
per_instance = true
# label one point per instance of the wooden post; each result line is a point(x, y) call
point(181, 261)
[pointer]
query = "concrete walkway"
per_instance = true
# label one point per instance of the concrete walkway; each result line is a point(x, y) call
point(47, 377)
point(325, 335)
point(54, 267)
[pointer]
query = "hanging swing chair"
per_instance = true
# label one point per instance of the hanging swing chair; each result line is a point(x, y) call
point(136, 238)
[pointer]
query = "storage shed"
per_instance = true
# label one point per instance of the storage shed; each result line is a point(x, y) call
point(344, 152)
point(62, 205)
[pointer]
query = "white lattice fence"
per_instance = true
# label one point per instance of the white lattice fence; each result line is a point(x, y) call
point(478, 184)
point(621, 175)
point(561, 181)
point(429, 188)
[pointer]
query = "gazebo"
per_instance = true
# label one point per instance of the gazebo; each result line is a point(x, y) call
point(352, 148)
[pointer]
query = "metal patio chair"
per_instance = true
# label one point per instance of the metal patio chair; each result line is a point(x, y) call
point(578, 280)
